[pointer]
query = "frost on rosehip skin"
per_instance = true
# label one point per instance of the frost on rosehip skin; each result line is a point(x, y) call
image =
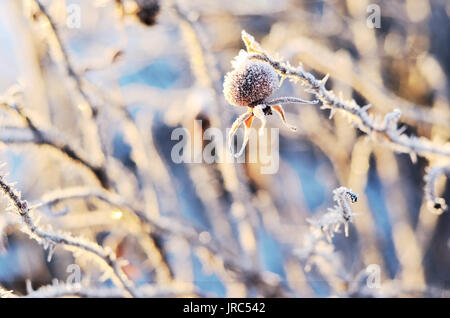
point(249, 83)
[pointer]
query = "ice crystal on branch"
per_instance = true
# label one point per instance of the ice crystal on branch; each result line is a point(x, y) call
point(382, 130)
point(49, 239)
point(341, 213)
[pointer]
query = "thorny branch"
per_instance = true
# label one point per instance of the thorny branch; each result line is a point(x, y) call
point(79, 81)
point(60, 289)
point(386, 130)
point(52, 139)
point(162, 225)
point(79, 87)
point(69, 68)
point(52, 239)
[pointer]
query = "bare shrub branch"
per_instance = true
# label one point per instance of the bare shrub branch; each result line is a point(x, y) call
point(385, 130)
point(50, 239)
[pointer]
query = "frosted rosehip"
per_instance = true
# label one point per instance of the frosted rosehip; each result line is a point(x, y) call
point(250, 82)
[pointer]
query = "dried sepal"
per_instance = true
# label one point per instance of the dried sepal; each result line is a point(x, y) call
point(247, 119)
point(280, 111)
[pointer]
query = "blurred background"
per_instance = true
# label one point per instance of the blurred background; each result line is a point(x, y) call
point(117, 77)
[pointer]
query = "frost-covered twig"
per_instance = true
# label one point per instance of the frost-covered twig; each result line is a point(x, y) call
point(4, 293)
point(58, 45)
point(76, 290)
point(61, 289)
point(165, 225)
point(16, 135)
point(43, 137)
point(56, 196)
point(162, 224)
point(386, 130)
point(51, 239)
point(288, 100)
point(434, 202)
point(317, 248)
point(341, 213)
point(111, 198)
point(350, 73)
point(65, 57)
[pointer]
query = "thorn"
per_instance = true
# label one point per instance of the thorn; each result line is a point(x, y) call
point(402, 129)
point(325, 79)
point(51, 250)
point(413, 157)
point(29, 287)
point(282, 80)
point(332, 113)
point(365, 108)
